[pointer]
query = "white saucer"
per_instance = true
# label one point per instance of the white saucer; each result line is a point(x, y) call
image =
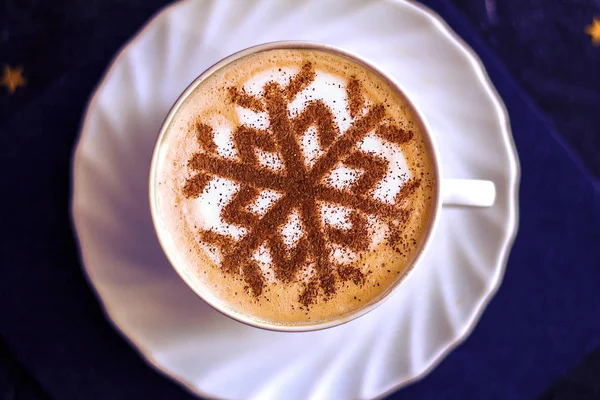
point(214, 356)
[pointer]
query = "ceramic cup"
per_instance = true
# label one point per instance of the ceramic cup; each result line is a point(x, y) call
point(447, 192)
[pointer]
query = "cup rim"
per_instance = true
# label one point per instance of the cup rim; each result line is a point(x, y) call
point(376, 301)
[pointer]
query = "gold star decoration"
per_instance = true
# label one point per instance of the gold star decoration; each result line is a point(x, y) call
point(12, 78)
point(594, 31)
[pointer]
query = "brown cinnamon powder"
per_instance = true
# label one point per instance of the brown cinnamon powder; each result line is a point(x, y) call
point(356, 101)
point(243, 99)
point(301, 189)
point(300, 81)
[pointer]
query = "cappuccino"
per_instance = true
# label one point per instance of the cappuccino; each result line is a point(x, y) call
point(295, 185)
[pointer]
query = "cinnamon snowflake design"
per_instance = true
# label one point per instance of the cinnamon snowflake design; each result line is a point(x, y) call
point(301, 187)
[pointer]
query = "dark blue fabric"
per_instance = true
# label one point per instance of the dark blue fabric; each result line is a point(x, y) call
point(544, 319)
point(580, 383)
point(544, 46)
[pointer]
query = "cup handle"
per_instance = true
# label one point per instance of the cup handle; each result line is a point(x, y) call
point(468, 192)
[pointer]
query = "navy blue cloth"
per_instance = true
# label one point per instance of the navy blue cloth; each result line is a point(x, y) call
point(544, 46)
point(542, 322)
point(580, 383)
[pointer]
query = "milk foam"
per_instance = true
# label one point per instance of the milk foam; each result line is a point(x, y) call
point(185, 217)
point(205, 211)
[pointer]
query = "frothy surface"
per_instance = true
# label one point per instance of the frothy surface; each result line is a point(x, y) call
point(295, 185)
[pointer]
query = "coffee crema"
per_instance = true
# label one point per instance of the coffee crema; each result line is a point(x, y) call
point(295, 185)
